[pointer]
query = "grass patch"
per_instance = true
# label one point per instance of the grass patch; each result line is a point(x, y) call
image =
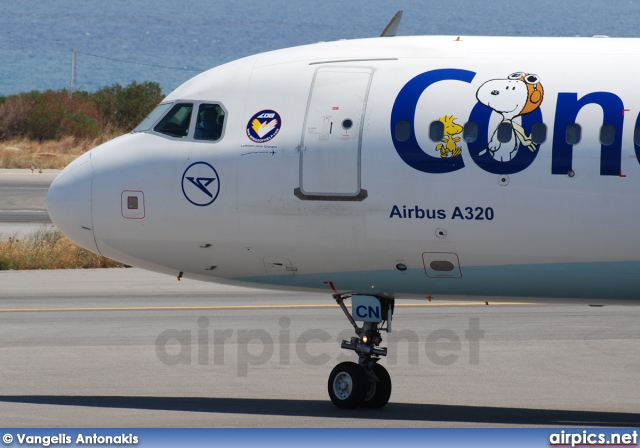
point(55, 154)
point(48, 249)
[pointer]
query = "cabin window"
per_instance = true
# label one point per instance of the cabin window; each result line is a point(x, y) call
point(176, 122)
point(209, 123)
point(152, 118)
point(573, 134)
point(436, 131)
point(539, 133)
point(403, 131)
point(470, 132)
point(504, 132)
point(607, 134)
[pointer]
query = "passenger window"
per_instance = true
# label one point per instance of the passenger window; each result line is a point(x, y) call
point(470, 133)
point(403, 131)
point(436, 131)
point(573, 134)
point(505, 132)
point(539, 133)
point(607, 134)
point(176, 122)
point(210, 122)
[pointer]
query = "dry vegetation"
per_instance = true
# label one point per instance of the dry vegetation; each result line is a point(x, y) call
point(48, 249)
point(48, 130)
point(25, 153)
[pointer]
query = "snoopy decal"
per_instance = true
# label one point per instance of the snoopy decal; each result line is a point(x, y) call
point(518, 94)
point(450, 129)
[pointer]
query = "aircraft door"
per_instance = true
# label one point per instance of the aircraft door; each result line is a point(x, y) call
point(330, 151)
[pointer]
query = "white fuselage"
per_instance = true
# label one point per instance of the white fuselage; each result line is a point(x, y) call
point(347, 190)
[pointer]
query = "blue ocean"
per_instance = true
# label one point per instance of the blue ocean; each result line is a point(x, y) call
point(120, 41)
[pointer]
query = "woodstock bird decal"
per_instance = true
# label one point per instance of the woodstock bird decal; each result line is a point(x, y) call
point(450, 129)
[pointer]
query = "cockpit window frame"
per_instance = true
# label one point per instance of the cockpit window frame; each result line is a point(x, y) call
point(172, 110)
point(193, 121)
point(148, 124)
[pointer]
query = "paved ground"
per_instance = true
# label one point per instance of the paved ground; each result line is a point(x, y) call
point(125, 347)
point(23, 194)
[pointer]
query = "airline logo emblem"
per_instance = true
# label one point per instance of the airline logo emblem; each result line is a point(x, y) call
point(200, 184)
point(264, 126)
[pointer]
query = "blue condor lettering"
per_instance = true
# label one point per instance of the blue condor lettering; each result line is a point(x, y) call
point(483, 150)
point(404, 109)
point(463, 213)
point(566, 113)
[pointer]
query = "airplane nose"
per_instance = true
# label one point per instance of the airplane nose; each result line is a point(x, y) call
point(69, 202)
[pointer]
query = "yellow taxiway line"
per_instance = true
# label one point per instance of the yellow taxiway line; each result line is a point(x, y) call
point(240, 307)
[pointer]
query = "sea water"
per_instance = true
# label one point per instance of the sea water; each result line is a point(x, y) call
point(169, 41)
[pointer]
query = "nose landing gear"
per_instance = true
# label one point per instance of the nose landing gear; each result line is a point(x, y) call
point(366, 383)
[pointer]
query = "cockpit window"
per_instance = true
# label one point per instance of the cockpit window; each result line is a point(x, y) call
point(209, 123)
point(176, 122)
point(151, 119)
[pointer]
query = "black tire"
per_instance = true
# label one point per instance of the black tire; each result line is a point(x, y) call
point(347, 385)
point(378, 393)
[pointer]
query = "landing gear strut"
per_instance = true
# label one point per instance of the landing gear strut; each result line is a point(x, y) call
point(366, 383)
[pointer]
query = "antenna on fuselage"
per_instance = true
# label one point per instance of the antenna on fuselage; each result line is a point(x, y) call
point(392, 28)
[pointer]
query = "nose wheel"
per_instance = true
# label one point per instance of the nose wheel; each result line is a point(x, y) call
point(348, 385)
point(379, 391)
point(366, 383)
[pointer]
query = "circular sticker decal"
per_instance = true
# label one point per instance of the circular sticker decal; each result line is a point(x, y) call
point(200, 184)
point(264, 126)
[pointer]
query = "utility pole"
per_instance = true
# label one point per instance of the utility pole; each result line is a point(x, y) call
point(73, 70)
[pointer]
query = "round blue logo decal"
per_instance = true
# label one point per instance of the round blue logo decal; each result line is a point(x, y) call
point(200, 184)
point(264, 126)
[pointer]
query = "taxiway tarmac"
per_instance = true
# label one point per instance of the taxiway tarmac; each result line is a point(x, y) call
point(125, 347)
point(23, 195)
point(23, 208)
